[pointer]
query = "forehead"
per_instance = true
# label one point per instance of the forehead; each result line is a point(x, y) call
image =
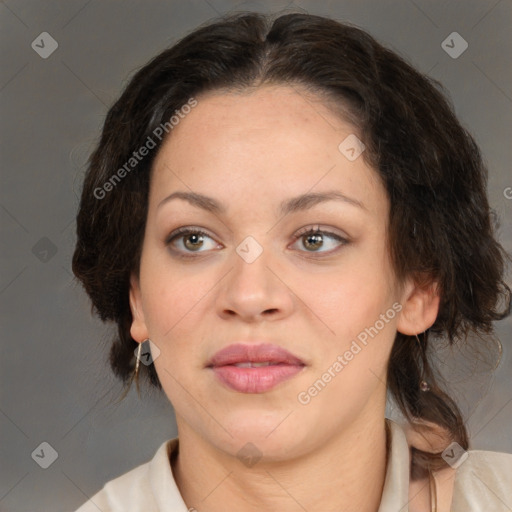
point(270, 108)
point(270, 137)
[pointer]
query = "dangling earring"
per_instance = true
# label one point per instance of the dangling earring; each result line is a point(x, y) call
point(135, 374)
point(424, 386)
point(139, 349)
point(137, 364)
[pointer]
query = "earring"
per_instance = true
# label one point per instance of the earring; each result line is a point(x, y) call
point(424, 386)
point(138, 361)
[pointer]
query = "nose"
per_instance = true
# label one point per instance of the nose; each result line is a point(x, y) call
point(255, 291)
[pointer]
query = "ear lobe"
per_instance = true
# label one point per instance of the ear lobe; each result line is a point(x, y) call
point(138, 329)
point(420, 307)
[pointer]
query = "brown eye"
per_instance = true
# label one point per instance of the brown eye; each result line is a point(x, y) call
point(190, 239)
point(195, 240)
point(315, 238)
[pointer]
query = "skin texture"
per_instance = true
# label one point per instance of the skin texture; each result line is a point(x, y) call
point(251, 151)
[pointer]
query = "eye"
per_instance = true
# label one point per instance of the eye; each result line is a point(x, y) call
point(314, 238)
point(192, 239)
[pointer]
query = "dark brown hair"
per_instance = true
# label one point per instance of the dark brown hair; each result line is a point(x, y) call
point(440, 225)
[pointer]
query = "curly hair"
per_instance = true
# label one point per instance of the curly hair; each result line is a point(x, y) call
point(440, 227)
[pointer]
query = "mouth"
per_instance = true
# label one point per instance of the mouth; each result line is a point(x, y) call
point(254, 364)
point(254, 368)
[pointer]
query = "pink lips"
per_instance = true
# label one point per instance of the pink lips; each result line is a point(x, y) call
point(273, 365)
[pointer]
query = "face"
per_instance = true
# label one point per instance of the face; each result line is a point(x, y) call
point(253, 275)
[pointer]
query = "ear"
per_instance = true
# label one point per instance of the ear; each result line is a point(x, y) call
point(420, 306)
point(138, 329)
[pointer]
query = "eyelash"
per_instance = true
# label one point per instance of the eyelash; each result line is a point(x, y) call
point(184, 231)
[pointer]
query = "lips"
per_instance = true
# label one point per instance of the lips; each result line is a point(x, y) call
point(254, 368)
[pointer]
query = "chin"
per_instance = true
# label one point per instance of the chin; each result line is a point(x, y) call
point(250, 450)
point(266, 430)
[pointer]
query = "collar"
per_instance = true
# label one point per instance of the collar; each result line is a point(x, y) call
point(395, 494)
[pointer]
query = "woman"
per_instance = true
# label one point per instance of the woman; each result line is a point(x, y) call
point(281, 217)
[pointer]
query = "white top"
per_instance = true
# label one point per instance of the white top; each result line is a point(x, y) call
point(483, 483)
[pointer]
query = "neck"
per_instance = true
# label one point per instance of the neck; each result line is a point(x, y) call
point(345, 474)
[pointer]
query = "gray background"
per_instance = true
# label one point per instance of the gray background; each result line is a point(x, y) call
point(56, 386)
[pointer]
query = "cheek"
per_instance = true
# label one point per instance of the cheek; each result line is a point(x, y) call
point(172, 295)
point(177, 300)
point(174, 324)
point(353, 298)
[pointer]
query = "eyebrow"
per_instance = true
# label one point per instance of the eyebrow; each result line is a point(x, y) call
point(294, 204)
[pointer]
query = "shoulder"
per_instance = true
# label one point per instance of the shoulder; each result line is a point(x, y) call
point(491, 462)
point(475, 481)
point(122, 493)
point(485, 478)
point(145, 487)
